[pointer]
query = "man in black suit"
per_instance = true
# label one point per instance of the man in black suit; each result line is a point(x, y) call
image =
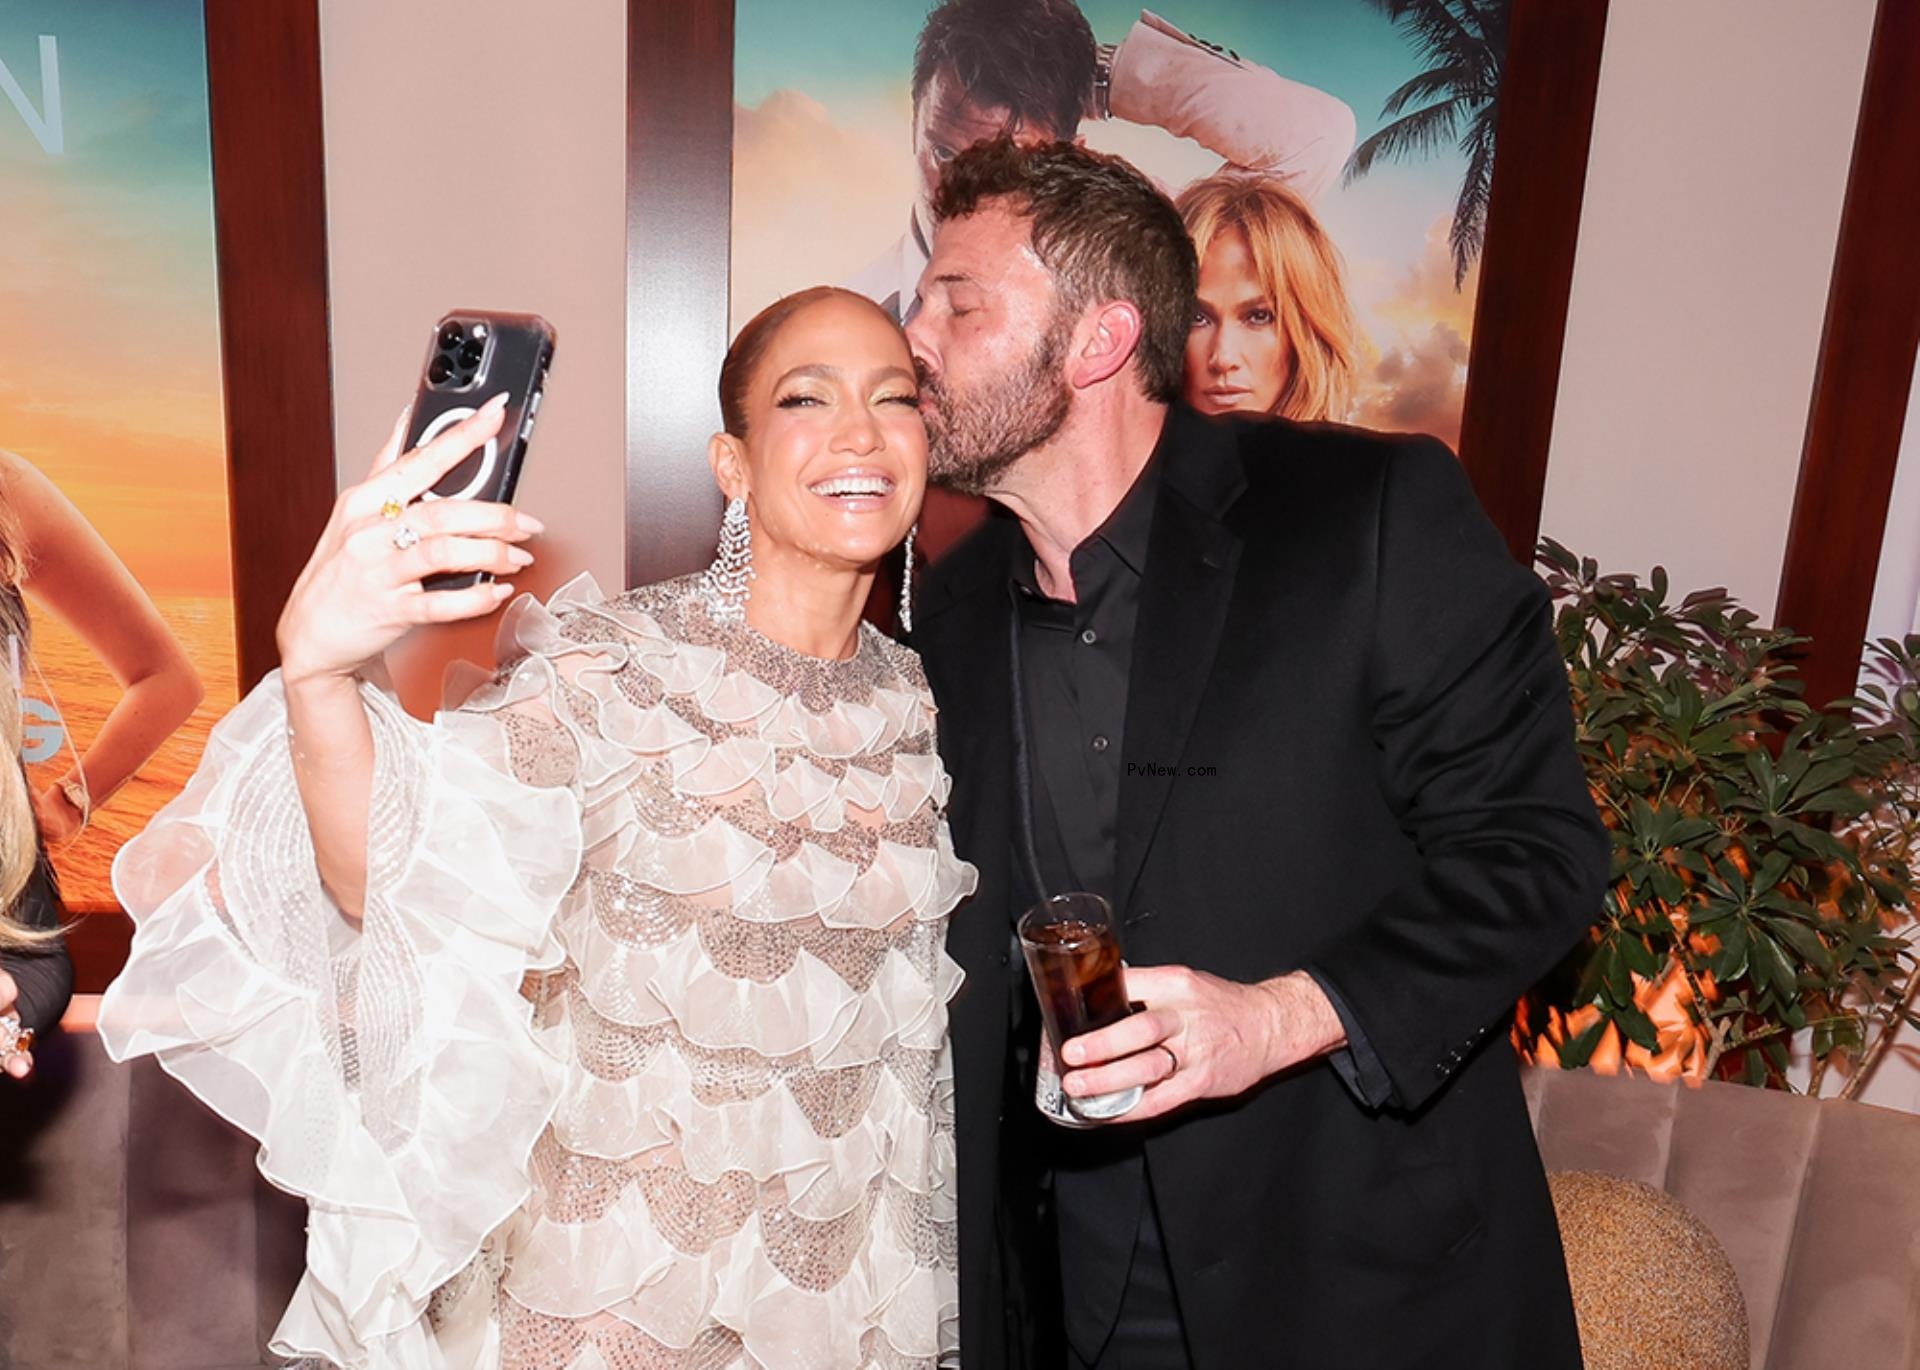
point(1279, 693)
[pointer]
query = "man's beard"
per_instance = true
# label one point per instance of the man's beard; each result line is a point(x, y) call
point(975, 436)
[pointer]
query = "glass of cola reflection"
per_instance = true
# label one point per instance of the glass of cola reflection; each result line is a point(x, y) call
point(1073, 954)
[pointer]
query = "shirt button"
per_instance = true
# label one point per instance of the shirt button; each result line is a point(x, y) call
point(1099, 742)
point(1088, 636)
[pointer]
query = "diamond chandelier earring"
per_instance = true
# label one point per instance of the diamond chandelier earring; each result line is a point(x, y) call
point(906, 583)
point(725, 582)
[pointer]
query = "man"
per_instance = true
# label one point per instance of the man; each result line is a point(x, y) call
point(1031, 70)
point(1279, 693)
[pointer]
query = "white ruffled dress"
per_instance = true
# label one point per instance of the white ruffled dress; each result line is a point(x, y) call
point(639, 1056)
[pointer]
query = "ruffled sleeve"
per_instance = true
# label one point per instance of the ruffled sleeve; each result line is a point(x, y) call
point(393, 1073)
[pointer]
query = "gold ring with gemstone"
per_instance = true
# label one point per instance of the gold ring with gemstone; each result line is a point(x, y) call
point(392, 510)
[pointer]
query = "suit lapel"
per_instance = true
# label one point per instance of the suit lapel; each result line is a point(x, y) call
point(1192, 557)
point(973, 675)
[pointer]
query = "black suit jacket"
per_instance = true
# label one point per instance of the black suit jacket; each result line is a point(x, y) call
point(1361, 761)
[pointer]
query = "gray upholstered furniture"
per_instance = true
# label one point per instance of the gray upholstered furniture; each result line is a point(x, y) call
point(135, 1232)
point(1817, 1202)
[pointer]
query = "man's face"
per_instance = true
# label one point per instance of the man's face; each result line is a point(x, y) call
point(990, 341)
point(947, 121)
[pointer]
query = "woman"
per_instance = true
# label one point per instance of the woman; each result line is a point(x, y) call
point(47, 547)
point(602, 1022)
point(1272, 330)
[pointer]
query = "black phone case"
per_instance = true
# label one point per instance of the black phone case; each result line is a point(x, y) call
point(472, 356)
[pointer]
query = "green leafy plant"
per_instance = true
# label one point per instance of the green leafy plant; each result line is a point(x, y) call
point(1761, 846)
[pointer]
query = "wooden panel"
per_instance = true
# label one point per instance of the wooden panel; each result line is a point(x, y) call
point(1533, 223)
point(679, 224)
point(270, 222)
point(1865, 372)
point(269, 202)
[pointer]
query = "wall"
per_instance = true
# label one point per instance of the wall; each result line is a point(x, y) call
point(476, 158)
point(1722, 137)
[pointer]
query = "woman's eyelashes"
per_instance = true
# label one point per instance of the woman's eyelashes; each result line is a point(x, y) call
point(804, 400)
point(1260, 316)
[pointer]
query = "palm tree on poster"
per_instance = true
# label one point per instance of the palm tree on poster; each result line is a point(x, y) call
point(1464, 43)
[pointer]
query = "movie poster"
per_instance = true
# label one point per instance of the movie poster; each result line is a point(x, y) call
point(110, 404)
point(1355, 137)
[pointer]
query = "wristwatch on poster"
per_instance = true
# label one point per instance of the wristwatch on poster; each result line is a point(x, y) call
point(1103, 80)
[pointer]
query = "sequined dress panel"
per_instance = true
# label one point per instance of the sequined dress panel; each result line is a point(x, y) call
point(640, 1058)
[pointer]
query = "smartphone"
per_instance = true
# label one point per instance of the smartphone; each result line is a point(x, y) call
point(474, 355)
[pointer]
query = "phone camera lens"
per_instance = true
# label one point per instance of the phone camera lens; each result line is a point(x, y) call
point(471, 353)
point(440, 370)
point(452, 336)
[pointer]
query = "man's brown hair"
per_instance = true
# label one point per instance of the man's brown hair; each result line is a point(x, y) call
point(1100, 228)
point(1035, 58)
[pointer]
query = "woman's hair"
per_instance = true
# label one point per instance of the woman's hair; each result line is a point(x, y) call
point(19, 837)
point(753, 340)
point(1301, 272)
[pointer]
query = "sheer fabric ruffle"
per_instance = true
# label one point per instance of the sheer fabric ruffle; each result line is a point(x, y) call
point(640, 1058)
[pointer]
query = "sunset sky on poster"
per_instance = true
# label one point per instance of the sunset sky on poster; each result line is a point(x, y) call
point(823, 176)
point(110, 377)
point(109, 332)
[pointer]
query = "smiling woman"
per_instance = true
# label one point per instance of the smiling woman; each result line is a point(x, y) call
point(662, 909)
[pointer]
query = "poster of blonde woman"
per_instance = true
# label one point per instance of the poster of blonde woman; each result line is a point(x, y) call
point(1331, 157)
point(115, 576)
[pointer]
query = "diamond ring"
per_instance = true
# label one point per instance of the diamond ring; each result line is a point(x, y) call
point(404, 537)
point(13, 1037)
point(392, 510)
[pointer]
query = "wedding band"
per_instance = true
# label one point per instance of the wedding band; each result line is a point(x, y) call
point(1173, 1061)
point(404, 537)
point(392, 510)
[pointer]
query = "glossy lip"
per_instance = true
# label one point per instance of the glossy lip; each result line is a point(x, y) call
point(1223, 393)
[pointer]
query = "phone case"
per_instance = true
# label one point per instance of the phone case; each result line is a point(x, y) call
point(473, 355)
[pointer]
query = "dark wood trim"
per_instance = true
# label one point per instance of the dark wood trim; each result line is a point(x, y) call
point(270, 223)
point(679, 234)
point(98, 944)
point(270, 230)
point(1865, 373)
point(1545, 124)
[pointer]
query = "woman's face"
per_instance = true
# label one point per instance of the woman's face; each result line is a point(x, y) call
point(1236, 355)
point(835, 457)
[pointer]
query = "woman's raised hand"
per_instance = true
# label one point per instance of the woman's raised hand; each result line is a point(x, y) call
point(361, 592)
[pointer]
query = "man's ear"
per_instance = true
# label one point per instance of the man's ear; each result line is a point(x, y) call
point(1107, 340)
point(727, 455)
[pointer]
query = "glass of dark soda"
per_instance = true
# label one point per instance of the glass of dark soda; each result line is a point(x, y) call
point(1072, 946)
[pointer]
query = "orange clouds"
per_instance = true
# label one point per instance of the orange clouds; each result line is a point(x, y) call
point(815, 201)
point(1414, 365)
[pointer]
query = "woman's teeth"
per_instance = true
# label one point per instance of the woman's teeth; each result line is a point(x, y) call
point(871, 486)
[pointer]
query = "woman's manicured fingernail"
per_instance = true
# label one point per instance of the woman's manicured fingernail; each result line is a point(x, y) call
point(529, 524)
point(519, 556)
point(497, 403)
